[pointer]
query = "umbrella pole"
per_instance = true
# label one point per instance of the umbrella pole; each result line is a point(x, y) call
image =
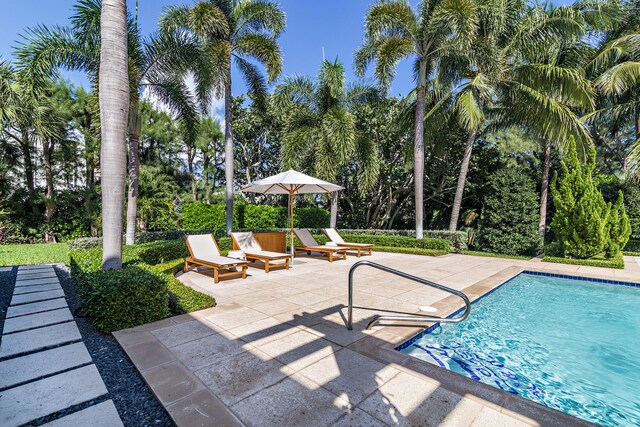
point(291, 224)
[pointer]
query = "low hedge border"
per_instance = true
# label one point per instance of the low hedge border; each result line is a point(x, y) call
point(494, 255)
point(411, 251)
point(144, 290)
point(458, 239)
point(631, 253)
point(616, 262)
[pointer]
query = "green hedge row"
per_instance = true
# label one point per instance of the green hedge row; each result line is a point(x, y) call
point(401, 241)
point(203, 216)
point(143, 291)
point(615, 262)
point(458, 239)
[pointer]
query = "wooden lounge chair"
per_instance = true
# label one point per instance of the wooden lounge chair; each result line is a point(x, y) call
point(309, 244)
point(335, 237)
point(204, 251)
point(248, 244)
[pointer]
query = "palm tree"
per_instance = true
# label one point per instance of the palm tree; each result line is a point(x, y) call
point(514, 78)
point(320, 132)
point(394, 31)
point(155, 65)
point(114, 107)
point(227, 30)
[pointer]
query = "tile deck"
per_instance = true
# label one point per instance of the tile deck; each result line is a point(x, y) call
point(275, 351)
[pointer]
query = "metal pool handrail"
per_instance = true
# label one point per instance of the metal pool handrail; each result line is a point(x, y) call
point(412, 318)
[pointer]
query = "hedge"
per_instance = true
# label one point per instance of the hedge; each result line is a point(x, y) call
point(203, 216)
point(615, 262)
point(400, 241)
point(143, 291)
point(458, 239)
point(412, 251)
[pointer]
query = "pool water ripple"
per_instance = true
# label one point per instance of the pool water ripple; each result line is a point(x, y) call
point(573, 345)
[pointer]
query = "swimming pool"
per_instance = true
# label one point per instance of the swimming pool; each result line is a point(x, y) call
point(569, 343)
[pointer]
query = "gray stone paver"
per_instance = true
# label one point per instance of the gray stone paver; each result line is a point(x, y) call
point(20, 369)
point(35, 297)
point(36, 320)
point(34, 339)
point(27, 402)
point(42, 382)
point(35, 307)
point(280, 353)
point(5, 269)
point(27, 282)
point(37, 288)
point(101, 415)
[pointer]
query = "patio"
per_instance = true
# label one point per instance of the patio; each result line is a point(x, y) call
point(275, 351)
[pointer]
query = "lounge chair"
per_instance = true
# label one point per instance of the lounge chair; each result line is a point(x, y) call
point(248, 244)
point(204, 251)
point(335, 237)
point(309, 244)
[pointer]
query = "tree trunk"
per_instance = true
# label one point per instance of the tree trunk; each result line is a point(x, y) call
point(192, 175)
point(544, 189)
point(26, 159)
point(418, 150)
point(205, 172)
point(50, 204)
point(114, 107)
point(462, 179)
point(228, 153)
point(334, 210)
point(247, 174)
point(134, 172)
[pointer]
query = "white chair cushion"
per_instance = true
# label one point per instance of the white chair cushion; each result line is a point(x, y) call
point(247, 241)
point(305, 237)
point(333, 234)
point(202, 245)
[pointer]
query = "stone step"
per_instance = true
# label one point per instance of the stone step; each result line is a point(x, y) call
point(37, 320)
point(27, 402)
point(35, 297)
point(35, 307)
point(48, 362)
point(5, 269)
point(45, 274)
point(101, 415)
point(34, 339)
point(37, 288)
point(27, 282)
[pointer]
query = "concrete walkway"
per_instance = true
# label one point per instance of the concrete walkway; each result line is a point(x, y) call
point(276, 352)
point(45, 368)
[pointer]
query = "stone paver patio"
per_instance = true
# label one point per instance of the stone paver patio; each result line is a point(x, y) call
point(44, 366)
point(276, 352)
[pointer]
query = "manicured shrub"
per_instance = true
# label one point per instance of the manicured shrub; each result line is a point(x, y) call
point(400, 241)
point(458, 239)
point(117, 299)
point(200, 215)
point(619, 228)
point(264, 216)
point(84, 243)
point(182, 299)
point(581, 221)
point(509, 219)
point(309, 218)
point(632, 246)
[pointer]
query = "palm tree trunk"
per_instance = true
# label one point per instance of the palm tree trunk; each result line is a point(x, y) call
point(114, 107)
point(134, 173)
point(418, 150)
point(544, 189)
point(50, 204)
point(334, 210)
point(228, 153)
point(462, 179)
point(28, 165)
point(205, 171)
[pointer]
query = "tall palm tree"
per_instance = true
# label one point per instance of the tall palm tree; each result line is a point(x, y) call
point(229, 31)
point(514, 77)
point(114, 107)
point(156, 65)
point(320, 132)
point(394, 31)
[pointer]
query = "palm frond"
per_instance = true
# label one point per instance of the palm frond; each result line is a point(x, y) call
point(391, 18)
point(390, 51)
point(255, 82)
point(262, 48)
point(259, 16)
point(619, 79)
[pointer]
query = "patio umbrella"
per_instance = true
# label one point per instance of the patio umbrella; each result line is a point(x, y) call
point(291, 182)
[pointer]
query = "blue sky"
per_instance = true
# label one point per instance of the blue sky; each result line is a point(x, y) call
point(335, 25)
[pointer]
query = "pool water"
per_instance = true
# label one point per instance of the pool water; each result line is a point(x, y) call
point(568, 343)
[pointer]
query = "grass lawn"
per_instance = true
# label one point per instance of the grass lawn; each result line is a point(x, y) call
point(44, 253)
point(492, 255)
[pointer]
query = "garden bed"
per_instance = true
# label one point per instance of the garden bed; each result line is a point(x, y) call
point(616, 262)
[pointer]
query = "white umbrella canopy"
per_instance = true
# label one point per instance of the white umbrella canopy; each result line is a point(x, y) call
point(291, 182)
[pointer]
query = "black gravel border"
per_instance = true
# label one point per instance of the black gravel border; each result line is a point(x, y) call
point(134, 400)
point(7, 284)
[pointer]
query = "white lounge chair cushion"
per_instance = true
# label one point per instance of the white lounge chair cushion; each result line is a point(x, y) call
point(268, 254)
point(333, 234)
point(220, 260)
point(202, 246)
point(247, 242)
point(305, 237)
